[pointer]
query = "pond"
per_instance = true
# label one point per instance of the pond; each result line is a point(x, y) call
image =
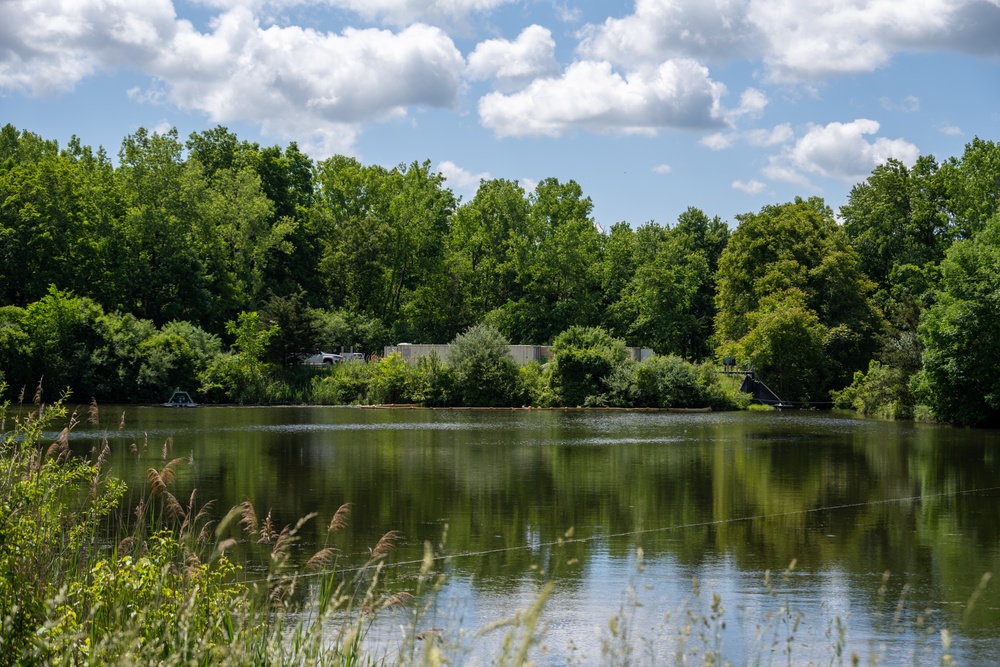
point(891, 526)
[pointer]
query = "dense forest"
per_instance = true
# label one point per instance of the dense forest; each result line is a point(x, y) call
point(215, 264)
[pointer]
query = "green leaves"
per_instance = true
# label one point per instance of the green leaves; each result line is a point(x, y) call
point(485, 373)
point(961, 334)
point(584, 361)
point(793, 302)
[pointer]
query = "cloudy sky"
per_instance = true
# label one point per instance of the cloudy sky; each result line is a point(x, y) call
point(652, 106)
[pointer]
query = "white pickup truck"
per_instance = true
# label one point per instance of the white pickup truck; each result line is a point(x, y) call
point(323, 359)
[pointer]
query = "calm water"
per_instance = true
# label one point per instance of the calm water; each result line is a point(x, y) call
point(720, 498)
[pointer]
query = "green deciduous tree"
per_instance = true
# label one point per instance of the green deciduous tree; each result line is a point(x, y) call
point(161, 276)
point(795, 256)
point(242, 375)
point(54, 224)
point(559, 267)
point(64, 331)
point(961, 334)
point(972, 187)
point(896, 217)
point(667, 302)
point(383, 238)
point(486, 249)
point(785, 344)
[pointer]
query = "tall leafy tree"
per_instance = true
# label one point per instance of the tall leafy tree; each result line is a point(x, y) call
point(161, 276)
point(236, 236)
point(54, 228)
point(485, 247)
point(668, 301)
point(897, 221)
point(64, 331)
point(798, 247)
point(384, 248)
point(961, 334)
point(972, 186)
point(352, 214)
point(896, 217)
point(420, 211)
point(285, 179)
point(559, 266)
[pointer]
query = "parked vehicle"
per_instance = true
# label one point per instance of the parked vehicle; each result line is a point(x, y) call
point(323, 359)
point(352, 356)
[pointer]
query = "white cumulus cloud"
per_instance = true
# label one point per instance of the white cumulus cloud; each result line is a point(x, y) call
point(777, 135)
point(517, 62)
point(661, 29)
point(719, 141)
point(458, 178)
point(751, 187)
point(796, 39)
point(391, 12)
point(317, 87)
point(841, 151)
point(592, 95)
point(950, 130)
point(49, 47)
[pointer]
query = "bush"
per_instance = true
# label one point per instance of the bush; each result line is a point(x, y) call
point(584, 360)
point(485, 373)
point(536, 385)
point(166, 594)
point(175, 357)
point(345, 384)
point(64, 331)
point(242, 376)
point(13, 345)
point(435, 382)
point(392, 381)
point(883, 392)
point(668, 382)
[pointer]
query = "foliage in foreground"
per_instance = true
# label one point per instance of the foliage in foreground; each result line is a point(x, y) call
point(86, 581)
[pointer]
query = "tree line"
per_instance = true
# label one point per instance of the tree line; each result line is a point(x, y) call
point(122, 280)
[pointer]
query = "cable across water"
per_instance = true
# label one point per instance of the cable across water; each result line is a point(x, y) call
point(647, 531)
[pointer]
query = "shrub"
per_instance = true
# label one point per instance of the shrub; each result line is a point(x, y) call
point(344, 384)
point(485, 373)
point(668, 382)
point(883, 392)
point(176, 356)
point(64, 331)
point(241, 376)
point(535, 381)
point(583, 361)
point(434, 382)
point(392, 381)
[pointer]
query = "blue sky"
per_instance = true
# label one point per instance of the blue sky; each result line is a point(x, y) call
point(652, 106)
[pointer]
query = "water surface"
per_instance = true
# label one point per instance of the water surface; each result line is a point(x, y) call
point(721, 498)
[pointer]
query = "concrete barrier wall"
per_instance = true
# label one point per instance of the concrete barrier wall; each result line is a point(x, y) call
point(522, 354)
